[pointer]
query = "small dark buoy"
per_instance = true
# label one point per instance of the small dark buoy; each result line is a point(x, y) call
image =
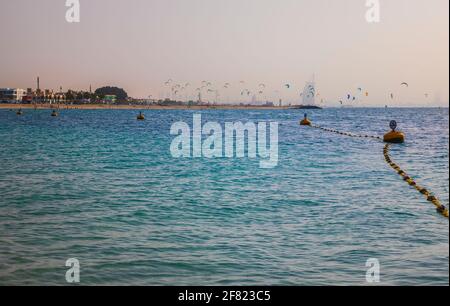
point(54, 114)
point(19, 112)
point(141, 116)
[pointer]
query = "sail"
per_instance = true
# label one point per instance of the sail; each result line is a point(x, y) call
point(309, 94)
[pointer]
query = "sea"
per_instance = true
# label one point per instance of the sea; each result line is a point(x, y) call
point(103, 188)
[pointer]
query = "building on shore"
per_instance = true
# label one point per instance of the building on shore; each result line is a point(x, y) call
point(110, 99)
point(11, 95)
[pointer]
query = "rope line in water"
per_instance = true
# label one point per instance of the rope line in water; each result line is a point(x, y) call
point(442, 209)
point(345, 133)
point(408, 179)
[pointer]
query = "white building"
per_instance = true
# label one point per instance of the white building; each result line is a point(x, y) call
point(12, 94)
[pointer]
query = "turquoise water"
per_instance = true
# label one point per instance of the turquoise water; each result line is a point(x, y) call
point(102, 187)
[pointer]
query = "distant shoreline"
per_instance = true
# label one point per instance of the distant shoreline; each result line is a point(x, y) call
point(174, 107)
point(138, 107)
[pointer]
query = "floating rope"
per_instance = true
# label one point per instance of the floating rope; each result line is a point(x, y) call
point(408, 179)
point(442, 209)
point(346, 133)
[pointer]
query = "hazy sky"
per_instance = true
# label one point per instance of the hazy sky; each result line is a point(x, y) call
point(139, 44)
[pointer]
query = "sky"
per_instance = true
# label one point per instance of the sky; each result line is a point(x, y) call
point(140, 44)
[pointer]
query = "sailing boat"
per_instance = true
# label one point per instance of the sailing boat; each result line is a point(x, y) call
point(309, 96)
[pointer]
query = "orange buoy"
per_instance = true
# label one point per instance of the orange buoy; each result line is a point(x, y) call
point(394, 136)
point(305, 121)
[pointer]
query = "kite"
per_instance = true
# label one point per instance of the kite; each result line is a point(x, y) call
point(245, 91)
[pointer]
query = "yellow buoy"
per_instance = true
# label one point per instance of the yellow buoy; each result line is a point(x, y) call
point(305, 121)
point(394, 136)
point(141, 116)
